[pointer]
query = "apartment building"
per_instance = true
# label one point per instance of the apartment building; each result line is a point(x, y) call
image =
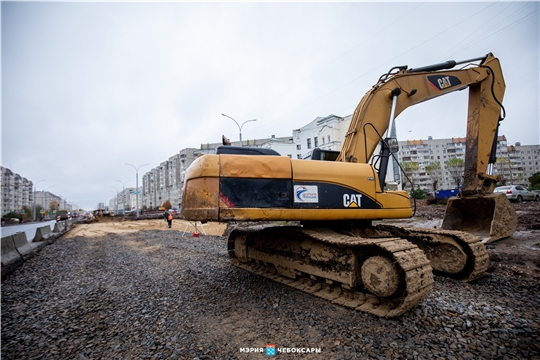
point(164, 182)
point(44, 199)
point(515, 163)
point(326, 133)
point(524, 161)
point(126, 200)
point(17, 191)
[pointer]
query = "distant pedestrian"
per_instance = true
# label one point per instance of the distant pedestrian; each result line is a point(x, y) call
point(169, 219)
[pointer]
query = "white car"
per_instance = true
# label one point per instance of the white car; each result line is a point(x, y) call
point(517, 193)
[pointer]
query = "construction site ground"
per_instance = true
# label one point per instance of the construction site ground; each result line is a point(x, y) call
point(517, 255)
point(137, 290)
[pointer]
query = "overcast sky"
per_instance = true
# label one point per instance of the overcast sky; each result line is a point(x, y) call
point(87, 87)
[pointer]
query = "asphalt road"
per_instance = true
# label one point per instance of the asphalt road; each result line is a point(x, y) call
point(29, 228)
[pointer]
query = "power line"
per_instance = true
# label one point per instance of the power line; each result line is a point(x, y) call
point(387, 62)
point(335, 59)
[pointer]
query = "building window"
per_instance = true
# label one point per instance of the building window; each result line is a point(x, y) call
point(323, 140)
point(309, 143)
point(298, 147)
point(329, 138)
point(316, 142)
point(298, 156)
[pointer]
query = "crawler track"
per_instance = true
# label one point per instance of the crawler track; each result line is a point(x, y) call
point(331, 266)
point(440, 246)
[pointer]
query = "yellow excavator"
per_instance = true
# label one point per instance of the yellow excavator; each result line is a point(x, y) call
point(308, 224)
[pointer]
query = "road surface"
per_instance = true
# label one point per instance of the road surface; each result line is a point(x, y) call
point(29, 229)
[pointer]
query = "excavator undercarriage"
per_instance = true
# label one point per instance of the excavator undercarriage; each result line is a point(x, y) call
point(383, 276)
point(383, 270)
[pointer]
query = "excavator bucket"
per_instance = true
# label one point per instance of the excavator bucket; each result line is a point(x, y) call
point(492, 217)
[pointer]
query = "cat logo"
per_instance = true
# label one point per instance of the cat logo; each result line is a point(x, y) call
point(352, 200)
point(441, 82)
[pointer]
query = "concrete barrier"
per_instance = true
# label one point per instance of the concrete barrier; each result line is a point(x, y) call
point(9, 251)
point(13, 247)
point(58, 227)
point(42, 233)
point(22, 243)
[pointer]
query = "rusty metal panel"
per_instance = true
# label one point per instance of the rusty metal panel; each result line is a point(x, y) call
point(249, 166)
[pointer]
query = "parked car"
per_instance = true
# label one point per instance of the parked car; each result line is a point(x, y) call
point(517, 193)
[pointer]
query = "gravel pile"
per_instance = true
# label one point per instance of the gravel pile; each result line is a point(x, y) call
point(157, 295)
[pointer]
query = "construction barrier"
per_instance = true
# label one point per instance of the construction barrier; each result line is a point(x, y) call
point(58, 227)
point(14, 246)
point(42, 233)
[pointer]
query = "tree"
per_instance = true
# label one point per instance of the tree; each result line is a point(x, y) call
point(167, 205)
point(409, 167)
point(27, 212)
point(456, 166)
point(53, 205)
point(535, 181)
point(434, 170)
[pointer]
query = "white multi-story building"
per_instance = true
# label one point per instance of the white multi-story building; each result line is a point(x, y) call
point(525, 162)
point(515, 164)
point(326, 133)
point(16, 192)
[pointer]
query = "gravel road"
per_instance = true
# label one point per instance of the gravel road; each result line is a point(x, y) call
point(153, 295)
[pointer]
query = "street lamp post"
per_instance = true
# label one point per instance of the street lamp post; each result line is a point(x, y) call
point(239, 126)
point(35, 186)
point(123, 196)
point(137, 185)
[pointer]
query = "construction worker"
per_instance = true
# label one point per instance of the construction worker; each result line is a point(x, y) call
point(168, 218)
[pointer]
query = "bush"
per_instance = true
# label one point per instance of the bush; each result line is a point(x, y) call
point(418, 194)
point(12, 215)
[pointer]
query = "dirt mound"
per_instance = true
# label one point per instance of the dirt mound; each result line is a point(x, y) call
point(112, 226)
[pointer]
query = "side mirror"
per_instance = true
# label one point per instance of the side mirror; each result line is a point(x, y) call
point(392, 145)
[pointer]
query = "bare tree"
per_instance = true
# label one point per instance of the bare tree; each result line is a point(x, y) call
point(53, 205)
point(167, 205)
point(409, 167)
point(434, 170)
point(456, 166)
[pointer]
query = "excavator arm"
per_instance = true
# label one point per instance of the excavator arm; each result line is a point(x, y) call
point(395, 92)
